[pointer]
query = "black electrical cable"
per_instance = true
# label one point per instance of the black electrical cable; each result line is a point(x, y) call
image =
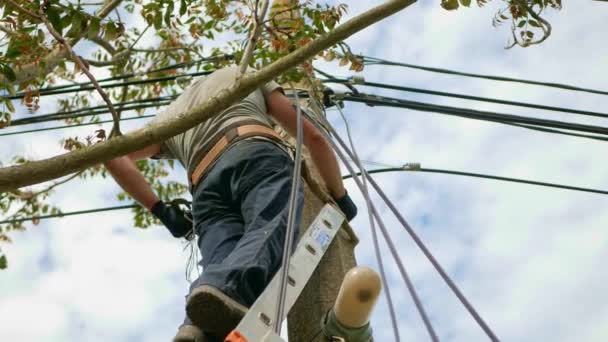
point(85, 85)
point(90, 211)
point(479, 175)
point(83, 113)
point(474, 98)
point(472, 114)
point(555, 131)
point(76, 125)
point(383, 170)
point(373, 100)
point(112, 85)
point(375, 61)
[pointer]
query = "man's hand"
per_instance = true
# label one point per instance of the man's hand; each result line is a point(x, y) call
point(347, 206)
point(173, 217)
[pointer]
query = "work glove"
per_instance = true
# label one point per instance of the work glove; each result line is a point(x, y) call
point(347, 206)
point(174, 218)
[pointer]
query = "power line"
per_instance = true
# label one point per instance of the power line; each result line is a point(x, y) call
point(88, 112)
point(81, 212)
point(375, 100)
point(61, 89)
point(474, 98)
point(86, 87)
point(76, 125)
point(377, 61)
point(538, 124)
point(479, 175)
point(382, 170)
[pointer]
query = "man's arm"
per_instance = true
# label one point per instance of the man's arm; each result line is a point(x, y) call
point(281, 108)
point(126, 174)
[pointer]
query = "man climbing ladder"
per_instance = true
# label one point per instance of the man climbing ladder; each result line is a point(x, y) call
point(239, 172)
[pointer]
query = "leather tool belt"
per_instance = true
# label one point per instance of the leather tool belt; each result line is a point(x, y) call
point(227, 136)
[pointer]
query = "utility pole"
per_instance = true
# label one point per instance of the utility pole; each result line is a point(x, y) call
point(322, 289)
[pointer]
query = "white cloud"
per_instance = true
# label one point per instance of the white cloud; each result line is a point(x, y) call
point(530, 259)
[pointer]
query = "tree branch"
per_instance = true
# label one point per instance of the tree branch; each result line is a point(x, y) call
point(23, 10)
point(56, 184)
point(104, 44)
point(43, 170)
point(34, 70)
point(9, 32)
point(257, 29)
point(85, 69)
point(117, 58)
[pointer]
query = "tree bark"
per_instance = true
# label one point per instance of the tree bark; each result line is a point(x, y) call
point(39, 171)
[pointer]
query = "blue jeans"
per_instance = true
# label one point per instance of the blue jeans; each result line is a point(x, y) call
point(240, 210)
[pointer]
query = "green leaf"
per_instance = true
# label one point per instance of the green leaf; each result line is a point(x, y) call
point(40, 36)
point(10, 106)
point(533, 23)
point(13, 49)
point(465, 3)
point(111, 32)
point(8, 72)
point(53, 14)
point(158, 21)
point(3, 262)
point(76, 29)
point(168, 13)
point(521, 24)
point(182, 7)
point(94, 27)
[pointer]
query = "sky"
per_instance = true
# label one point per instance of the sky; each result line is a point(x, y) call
point(529, 259)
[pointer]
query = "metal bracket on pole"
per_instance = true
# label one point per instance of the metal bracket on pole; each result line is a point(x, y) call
point(257, 324)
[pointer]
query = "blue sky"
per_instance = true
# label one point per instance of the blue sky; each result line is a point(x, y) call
point(529, 259)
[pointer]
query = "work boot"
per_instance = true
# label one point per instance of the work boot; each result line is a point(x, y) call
point(189, 333)
point(213, 311)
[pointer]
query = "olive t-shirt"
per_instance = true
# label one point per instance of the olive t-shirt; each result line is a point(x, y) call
point(189, 147)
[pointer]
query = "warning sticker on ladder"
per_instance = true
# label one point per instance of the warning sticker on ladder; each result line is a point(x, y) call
point(320, 236)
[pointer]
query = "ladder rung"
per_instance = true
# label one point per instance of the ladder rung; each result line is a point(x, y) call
point(257, 324)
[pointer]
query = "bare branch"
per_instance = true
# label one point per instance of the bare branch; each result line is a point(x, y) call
point(56, 184)
point(104, 44)
point(117, 58)
point(139, 37)
point(34, 172)
point(85, 69)
point(177, 48)
point(257, 29)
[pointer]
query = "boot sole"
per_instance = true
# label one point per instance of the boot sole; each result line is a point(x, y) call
point(213, 311)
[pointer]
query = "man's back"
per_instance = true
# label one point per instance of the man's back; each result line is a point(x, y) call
point(190, 146)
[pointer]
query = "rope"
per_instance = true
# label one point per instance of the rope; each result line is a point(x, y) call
point(289, 235)
point(383, 229)
point(389, 242)
point(389, 300)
